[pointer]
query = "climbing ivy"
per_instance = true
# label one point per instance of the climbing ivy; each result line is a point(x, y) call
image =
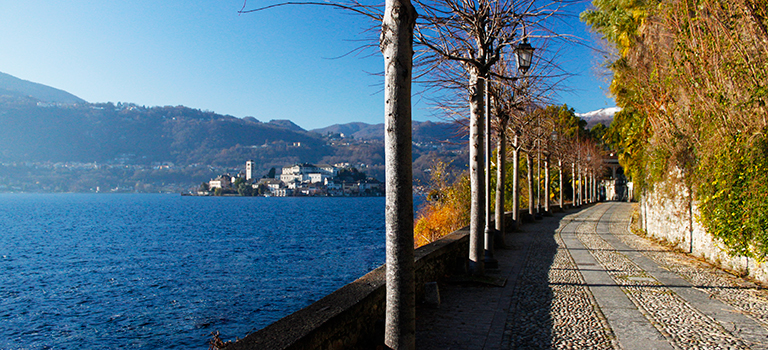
point(733, 195)
point(692, 78)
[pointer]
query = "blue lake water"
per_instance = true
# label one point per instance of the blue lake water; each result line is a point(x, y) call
point(89, 271)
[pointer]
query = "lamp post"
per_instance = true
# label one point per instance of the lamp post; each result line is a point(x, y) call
point(488, 259)
point(523, 56)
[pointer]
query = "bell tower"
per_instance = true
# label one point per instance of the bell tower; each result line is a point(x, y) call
point(249, 168)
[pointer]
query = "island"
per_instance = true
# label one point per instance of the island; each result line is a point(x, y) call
point(301, 179)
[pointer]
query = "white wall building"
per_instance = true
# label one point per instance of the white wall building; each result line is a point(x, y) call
point(308, 173)
point(223, 181)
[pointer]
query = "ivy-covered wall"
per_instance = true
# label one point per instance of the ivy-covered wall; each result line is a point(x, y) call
point(692, 78)
point(675, 220)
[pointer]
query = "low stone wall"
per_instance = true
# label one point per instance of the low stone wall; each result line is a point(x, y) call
point(674, 220)
point(353, 316)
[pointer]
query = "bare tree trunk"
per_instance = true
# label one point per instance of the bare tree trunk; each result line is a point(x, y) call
point(573, 184)
point(530, 183)
point(501, 174)
point(538, 179)
point(476, 171)
point(588, 187)
point(594, 188)
point(489, 259)
point(581, 187)
point(396, 45)
point(515, 184)
point(546, 185)
point(560, 178)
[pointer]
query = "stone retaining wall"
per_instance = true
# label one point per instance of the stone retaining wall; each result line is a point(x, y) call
point(674, 220)
point(353, 316)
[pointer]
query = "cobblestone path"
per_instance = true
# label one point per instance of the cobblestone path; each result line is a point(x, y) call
point(581, 280)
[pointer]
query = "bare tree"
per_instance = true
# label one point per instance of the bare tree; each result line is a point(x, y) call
point(397, 47)
point(471, 36)
point(507, 99)
point(502, 120)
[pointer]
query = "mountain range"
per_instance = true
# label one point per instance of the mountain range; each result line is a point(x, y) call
point(12, 86)
point(52, 140)
point(63, 143)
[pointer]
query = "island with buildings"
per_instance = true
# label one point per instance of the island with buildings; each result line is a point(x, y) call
point(303, 179)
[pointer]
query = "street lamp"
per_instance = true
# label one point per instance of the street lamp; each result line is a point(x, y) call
point(524, 56)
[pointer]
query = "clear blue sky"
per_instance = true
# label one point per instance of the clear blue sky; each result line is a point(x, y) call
point(278, 64)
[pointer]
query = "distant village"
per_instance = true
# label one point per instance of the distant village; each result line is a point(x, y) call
point(305, 179)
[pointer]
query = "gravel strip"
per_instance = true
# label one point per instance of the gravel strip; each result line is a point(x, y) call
point(684, 326)
point(742, 295)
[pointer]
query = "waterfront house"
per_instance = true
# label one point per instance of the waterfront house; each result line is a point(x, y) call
point(222, 181)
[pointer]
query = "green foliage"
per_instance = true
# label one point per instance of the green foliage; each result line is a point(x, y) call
point(734, 196)
point(567, 124)
point(691, 78)
point(351, 175)
point(245, 189)
point(617, 20)
point(598, 132)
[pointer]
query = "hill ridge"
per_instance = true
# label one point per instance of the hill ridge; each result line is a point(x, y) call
point(13, 86)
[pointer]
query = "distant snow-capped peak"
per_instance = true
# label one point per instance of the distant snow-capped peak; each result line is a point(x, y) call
point(603, 116)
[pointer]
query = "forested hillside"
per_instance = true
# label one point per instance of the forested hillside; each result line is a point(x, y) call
point(48, 146)
point(105, 132)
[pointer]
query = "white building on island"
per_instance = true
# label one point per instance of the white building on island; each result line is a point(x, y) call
point(308, 173)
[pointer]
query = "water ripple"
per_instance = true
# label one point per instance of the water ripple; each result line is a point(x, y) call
point(163, 271)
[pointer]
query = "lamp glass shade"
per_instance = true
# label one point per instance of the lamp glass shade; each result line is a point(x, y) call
point(524, 55)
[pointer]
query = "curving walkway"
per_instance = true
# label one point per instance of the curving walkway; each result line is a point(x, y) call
point(582, 280)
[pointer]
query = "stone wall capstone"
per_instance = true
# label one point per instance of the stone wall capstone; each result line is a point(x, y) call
point(352, 317)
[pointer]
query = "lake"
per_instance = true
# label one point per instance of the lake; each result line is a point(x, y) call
point(88, 271)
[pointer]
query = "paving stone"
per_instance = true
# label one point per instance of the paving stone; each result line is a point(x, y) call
point(582, 280)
